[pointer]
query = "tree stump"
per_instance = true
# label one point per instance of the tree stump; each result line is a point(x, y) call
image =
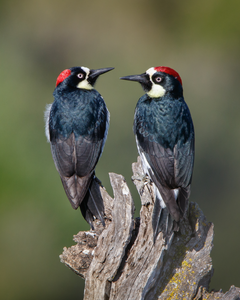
point(121, 261)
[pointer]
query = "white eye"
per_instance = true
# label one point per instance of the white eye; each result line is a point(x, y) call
point(158, 79)
point(80, 75)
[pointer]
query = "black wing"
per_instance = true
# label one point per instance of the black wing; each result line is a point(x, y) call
point(75, 160)
point(169, 169)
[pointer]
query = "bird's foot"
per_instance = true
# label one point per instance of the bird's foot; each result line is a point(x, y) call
point(144, 181)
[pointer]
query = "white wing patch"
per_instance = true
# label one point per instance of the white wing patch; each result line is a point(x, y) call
point(145, 164)
point(176, 192)
point(46, 118)
point(159, 196)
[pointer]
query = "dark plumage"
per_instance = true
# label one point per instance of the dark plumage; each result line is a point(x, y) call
point(77, 125)
point(165, 139)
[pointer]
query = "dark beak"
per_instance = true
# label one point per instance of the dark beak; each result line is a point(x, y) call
point(97, 72)
point(93, 75)
point(139, 78)
point(142, 78)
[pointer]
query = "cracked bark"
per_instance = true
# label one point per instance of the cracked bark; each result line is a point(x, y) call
point(121, 261)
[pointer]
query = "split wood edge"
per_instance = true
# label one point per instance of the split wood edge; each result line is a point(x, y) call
point(121, 262)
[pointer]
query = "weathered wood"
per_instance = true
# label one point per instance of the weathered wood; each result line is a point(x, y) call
point(112, 242)
point(121, 261)
point(232, 294)
point(79, 257)
point(145, 259)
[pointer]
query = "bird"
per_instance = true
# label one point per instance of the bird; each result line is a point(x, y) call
point(165, 139)
point(76, 125)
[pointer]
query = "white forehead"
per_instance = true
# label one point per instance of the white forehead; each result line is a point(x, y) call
point(86, 70)
point(151, 71)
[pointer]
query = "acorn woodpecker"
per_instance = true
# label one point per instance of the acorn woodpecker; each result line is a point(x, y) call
point(77, 126)
point(164, 134)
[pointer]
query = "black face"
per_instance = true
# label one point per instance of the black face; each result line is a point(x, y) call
point(148, 81)
point(77, 75)
point(80, 77)
point(147, 84)
point(91, 78)
point(168, 82)
point(158, 78)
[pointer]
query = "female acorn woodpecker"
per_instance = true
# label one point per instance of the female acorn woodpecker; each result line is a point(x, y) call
point(77, 126)
point(164, 134)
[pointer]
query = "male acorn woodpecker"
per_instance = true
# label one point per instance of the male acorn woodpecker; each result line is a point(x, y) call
point(164, 134)
point(77, 126)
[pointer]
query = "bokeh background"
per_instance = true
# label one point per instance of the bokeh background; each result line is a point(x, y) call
point(39, 39)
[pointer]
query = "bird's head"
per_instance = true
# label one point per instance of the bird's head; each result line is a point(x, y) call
point(158, 81)
point(80, 77)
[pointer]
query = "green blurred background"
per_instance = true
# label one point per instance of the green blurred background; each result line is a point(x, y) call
point(39, 39)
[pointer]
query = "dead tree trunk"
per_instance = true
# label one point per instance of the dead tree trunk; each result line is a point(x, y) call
point(121, 262)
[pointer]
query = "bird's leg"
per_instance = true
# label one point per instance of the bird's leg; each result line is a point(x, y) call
point(144, 179)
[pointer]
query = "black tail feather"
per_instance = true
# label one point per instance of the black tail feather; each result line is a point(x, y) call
point(182, 201)
point(161, 220)
point(170, 225)
point(156, 218)
point(92, 204)
point(88, 216)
